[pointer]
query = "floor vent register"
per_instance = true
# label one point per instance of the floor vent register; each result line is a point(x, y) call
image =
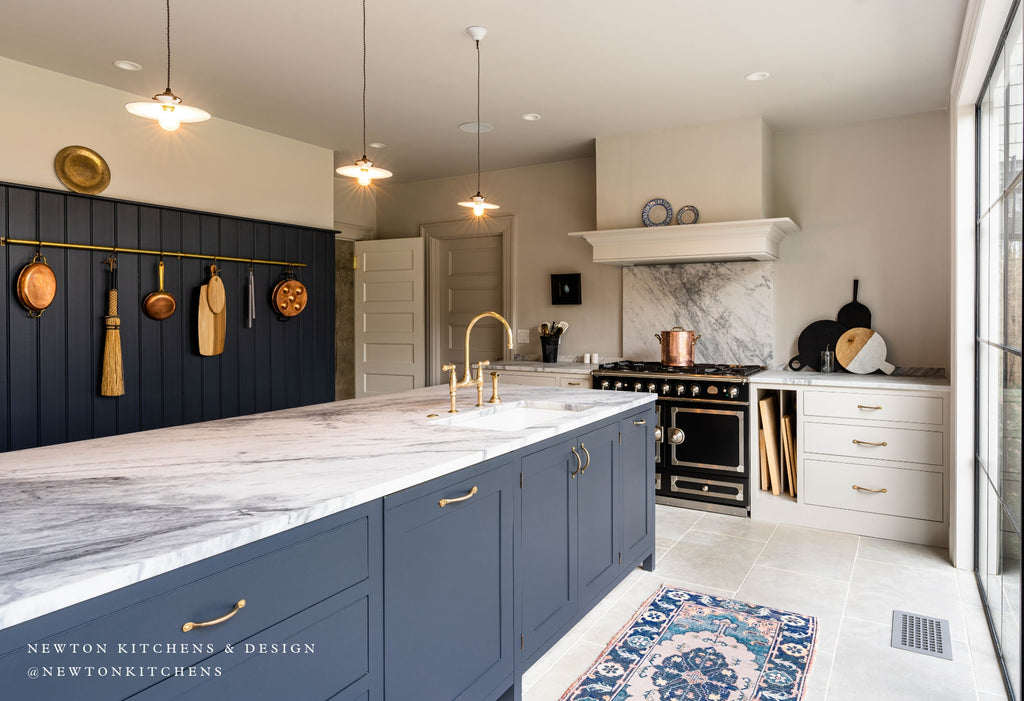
point(928, 636)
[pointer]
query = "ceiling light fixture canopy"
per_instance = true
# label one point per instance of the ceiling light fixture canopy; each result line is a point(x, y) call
point(363, 170)
point(478, 202)
point(166, 107)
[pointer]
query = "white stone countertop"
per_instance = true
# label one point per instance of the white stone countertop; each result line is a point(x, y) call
point(847, 380)
point(83, 519)
point(537, 366)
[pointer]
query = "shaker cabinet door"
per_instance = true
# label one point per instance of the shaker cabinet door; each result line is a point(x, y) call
point(636, 470)
point(448, 590)
point(547, 558)
point(597, 512)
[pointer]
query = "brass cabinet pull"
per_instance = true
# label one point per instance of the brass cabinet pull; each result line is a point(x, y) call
point(865, 489)
point(445, 502)
point(579, 462)
point(588, 458)
point(190, 625)
point(857, 442)
point(573, 384)
point(641, 422)
point(872, 408)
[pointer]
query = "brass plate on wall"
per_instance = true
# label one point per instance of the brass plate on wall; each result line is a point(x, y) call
point(82, 170)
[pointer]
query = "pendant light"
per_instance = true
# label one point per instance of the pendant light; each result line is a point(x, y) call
point(363, 170)
point(477, 202)
point(166, 107)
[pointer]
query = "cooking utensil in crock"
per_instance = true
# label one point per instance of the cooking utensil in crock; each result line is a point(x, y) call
point(677, 346)
point(37, 286)
point(161, 304)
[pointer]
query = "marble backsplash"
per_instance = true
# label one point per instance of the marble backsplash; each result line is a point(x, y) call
point(728, 304)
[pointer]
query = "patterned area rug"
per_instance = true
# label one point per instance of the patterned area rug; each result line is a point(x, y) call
point(683, 646)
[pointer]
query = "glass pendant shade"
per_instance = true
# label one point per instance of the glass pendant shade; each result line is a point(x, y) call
point(479, 204)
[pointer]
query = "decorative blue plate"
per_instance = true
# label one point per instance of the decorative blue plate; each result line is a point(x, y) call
point(688, 214)
point(646, 214)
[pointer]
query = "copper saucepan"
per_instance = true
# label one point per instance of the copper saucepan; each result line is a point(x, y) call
point(159, 305)
point(677, 346)
point(37, 286)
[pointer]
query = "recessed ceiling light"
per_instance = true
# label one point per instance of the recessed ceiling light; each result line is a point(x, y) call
point(531, 116)
point(127, 65)
point(377, 144)
point(471, 127)
point(758, 75)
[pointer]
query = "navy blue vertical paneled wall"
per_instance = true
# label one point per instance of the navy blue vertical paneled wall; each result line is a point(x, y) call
point(50, 367)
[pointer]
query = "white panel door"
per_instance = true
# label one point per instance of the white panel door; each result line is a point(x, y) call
point(470, 282)
point(390, 340)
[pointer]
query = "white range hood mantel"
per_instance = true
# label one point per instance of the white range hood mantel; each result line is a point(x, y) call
point(754, 239)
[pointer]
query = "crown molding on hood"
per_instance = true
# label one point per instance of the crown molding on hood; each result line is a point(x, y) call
point(754, 239)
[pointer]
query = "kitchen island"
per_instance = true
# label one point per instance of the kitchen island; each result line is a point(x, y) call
point(87, 520)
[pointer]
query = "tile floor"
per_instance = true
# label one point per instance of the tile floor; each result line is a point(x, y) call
point(851, 583)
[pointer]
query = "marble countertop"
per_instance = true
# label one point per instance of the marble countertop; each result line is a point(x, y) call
point(849, 380)
point(537, 366)
point(82, 519)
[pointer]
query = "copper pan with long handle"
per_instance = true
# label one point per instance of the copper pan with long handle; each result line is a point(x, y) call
point(161, 304)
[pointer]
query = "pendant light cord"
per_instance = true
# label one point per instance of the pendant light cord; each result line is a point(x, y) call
point(364, 79)
point(477, 115)
point(168, 46)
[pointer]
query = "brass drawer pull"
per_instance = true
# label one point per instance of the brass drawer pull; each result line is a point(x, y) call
point(857, 442)
point(872, 408)
point(641, 422)
point(584, 468)
point(573, 384)
point(865, 489)
point(445, 502)
point(190, 625)
point(579, 462)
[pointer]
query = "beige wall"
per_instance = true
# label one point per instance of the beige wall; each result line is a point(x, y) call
point(872, 199)
point(355, 208)
point(720, 167)
point(548, 201)
point(216, 166)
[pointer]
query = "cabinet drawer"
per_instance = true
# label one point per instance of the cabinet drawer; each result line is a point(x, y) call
point(875, 443)
point(537, 379)
point(909, 493)
point(275, 586)
point(574, 381)
point(877, 407)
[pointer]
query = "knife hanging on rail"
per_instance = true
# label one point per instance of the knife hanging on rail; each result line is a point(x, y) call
point(251, 317)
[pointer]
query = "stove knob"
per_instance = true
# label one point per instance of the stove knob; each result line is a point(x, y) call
point(665, 388)
point(676, 436)
point(651, 387)
point(732, 392)
point(680, 390)
point(694, 390)
point(637, 386)
point(604, 384)
point(618, 385)
point(704, 488)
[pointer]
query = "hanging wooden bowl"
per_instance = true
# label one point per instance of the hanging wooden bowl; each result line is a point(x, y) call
point(37, 286)
point(289, 297)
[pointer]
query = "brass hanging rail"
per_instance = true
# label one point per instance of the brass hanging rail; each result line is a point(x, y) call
point(4, 241)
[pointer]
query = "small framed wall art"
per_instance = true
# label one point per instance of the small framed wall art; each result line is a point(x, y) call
point(565, 288)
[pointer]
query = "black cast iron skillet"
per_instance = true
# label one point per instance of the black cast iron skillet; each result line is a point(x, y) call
point(813, 340)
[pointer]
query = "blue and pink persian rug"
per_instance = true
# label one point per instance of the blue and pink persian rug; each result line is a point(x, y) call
point(684, 646)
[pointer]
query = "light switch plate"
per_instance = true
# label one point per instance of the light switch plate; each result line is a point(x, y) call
point(522, 335)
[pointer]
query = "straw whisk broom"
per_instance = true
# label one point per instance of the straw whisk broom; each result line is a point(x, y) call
point(112, 383)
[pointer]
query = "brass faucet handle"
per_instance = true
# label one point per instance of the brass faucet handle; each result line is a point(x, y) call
point(450, 368)
point(480, 369)
point(495, 399)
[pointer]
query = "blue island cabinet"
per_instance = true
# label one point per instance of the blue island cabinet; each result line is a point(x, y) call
point(310, 627)
point(578, 496)
point(448, 587)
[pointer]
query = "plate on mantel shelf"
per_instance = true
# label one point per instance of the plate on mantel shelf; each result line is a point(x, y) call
point(649, 208)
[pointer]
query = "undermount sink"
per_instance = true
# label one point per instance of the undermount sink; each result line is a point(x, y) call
point(516, 417)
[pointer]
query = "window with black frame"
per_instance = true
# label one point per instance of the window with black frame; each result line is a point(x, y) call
point(1000, 120)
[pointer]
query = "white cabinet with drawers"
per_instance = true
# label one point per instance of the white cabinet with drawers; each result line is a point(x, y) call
point(573, 376)
point(872, 455)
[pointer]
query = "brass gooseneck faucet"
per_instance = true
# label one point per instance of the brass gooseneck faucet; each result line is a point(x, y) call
point(467, 377)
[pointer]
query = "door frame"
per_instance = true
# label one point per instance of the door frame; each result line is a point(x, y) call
point(433, 233)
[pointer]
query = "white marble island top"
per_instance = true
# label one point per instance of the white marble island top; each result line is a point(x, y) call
point(82, 519)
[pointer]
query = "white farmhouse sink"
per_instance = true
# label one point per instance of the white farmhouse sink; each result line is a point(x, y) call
point(517, 416)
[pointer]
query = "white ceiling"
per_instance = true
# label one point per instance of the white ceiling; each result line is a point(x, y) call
point(589, 67)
